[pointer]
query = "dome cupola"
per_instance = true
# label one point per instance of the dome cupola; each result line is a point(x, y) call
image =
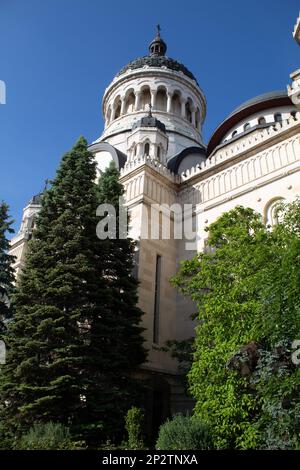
point(174, 97)
point(158, 46)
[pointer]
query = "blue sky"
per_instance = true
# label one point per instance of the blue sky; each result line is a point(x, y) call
point(57, 57)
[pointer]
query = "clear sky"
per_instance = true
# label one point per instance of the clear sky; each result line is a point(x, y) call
point(58, 56)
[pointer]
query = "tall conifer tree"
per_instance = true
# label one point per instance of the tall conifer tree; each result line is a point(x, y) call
point(117, 336)
point(42, 377)
point(67, 360)
point(6, 269)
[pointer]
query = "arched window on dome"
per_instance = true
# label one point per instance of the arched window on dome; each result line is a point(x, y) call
point(146, 149)
point(262, 121)
point(108, 115)
point(176, 104)
point(117, 106)
point(197, 119)
point(145, 98)
point(247, 126)
point(129, 102)
point(188, 110)
point(161, 99)
point(233, 134)
point(278, 117)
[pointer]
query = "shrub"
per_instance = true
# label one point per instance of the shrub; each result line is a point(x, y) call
point(48, 436)
point(134, 426)
point(184, 433)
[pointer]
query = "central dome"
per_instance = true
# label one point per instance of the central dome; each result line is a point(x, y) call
point(157, 61)
point(157, 58)
point(164, 86)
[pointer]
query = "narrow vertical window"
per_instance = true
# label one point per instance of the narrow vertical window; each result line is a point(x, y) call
point(158, 153)
point(278, 117)
point(157, 299)
point(147, 149)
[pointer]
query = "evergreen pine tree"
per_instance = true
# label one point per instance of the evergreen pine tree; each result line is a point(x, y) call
point(58, 289)
point(6, 269)
point(75, 340)
point(111, 388)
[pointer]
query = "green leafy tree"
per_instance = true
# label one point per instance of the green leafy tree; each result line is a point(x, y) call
point(246, 286)
point(6, 269)
point(134, 422)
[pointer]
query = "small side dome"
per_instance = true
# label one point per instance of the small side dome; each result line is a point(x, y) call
point(36, 199)
point(149, 121)
point(186, 159)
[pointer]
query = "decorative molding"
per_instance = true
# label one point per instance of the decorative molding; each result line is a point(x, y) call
point(152, 163)
point(251, 141)
point(252, 169)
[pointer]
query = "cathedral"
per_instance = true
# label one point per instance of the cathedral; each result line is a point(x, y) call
point(153, 111)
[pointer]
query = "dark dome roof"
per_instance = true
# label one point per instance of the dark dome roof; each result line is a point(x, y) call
point(36, 199)
point(149, 121)
point(174, 162)
point(249, 107)
point(264, 97)
point(157, 61)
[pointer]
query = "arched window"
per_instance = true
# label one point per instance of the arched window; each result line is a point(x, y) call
point(176, 105)
point(197, 119)
point(262, 121)
point(247, 126)
point(147, 149)
point(129, 102)
point(234, 134)
point(188, 111)
point(278, 117)
point(158, 152)
point(272, 217)
point(161, 99)
point(118, 109)
point(134, 150)
point(146, 98)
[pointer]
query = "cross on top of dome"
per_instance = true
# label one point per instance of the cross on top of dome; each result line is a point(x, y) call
point(158, 47)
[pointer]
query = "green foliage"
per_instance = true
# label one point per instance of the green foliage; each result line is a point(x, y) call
point(75, 340)
point(6, 270)
point(184, 433)
point(134, 422)
point(182, 351)
point(48, 436)
point(247, 289)
point(120, 344)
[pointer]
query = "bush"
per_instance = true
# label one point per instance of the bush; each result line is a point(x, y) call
point(134, 426)
point(48, 436)
point(184, 433)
